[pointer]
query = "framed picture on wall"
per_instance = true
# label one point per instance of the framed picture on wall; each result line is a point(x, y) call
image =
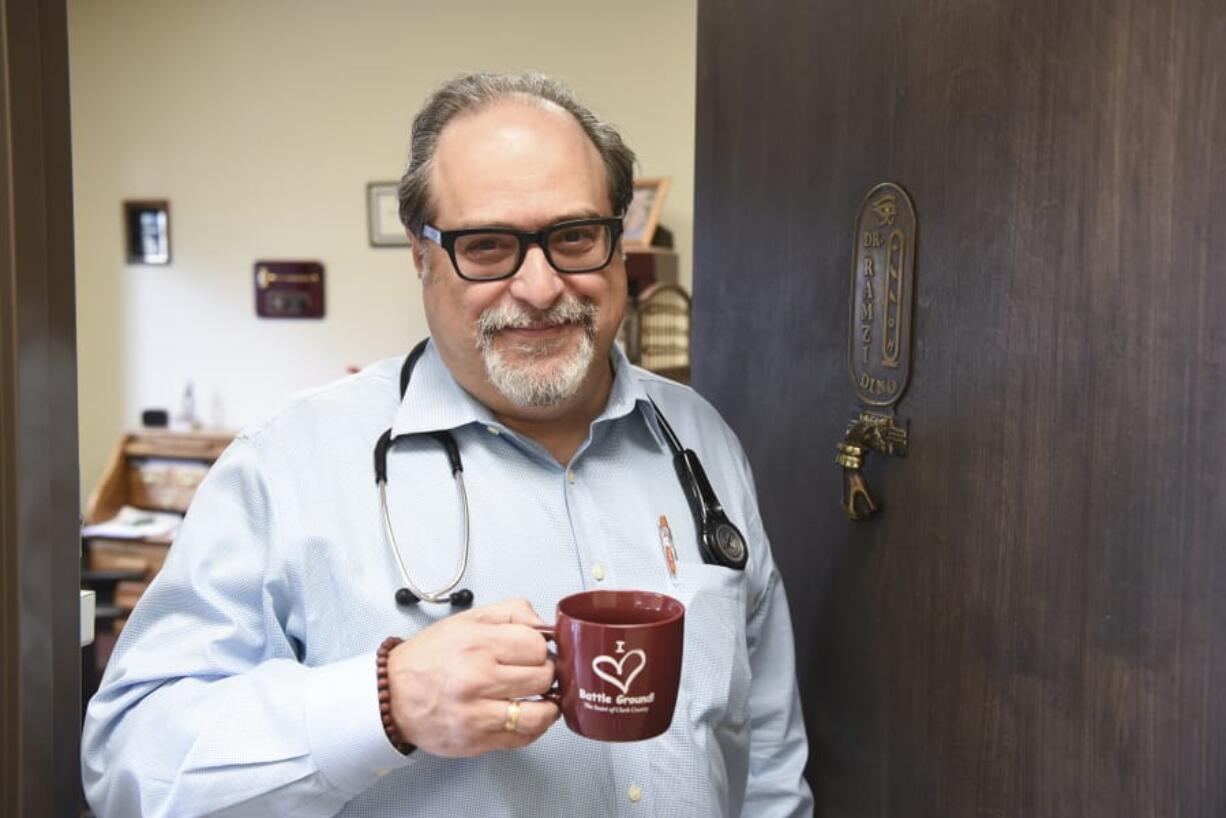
point(147, 231)
point(383, 215)
point(643, 215)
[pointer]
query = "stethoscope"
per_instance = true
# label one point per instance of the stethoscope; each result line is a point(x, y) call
point(719, 541)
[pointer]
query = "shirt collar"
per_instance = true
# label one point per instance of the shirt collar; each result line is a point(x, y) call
point(628, 395)
point(434, 401)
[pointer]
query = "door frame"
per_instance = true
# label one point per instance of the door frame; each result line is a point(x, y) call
point(40, 656)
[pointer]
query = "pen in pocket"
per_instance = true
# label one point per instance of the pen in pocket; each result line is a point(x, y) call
point(666, 541)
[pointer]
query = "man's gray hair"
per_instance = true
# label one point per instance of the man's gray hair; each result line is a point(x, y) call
point(473, 92)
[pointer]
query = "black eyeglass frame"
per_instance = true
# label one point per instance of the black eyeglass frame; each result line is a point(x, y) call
point(447, 239)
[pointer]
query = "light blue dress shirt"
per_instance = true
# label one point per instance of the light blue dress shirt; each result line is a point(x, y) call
point(244, 682)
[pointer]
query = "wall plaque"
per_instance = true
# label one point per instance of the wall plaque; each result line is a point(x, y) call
point(289, 289)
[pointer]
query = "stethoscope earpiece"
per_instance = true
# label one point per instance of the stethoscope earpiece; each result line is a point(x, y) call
point(463, 598)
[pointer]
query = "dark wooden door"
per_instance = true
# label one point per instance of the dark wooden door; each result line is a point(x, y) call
point(1036, 623)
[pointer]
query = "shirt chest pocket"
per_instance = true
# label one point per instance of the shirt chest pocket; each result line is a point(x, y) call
point(715, 668)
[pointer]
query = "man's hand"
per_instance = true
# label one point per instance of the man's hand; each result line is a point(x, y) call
point(452, 683)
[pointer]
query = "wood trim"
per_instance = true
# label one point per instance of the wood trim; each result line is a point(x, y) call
point(189, 445)
point(39, 499)
point(10, 642)
point(108, 495)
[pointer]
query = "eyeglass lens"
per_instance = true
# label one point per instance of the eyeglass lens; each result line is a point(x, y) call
point(569, 248)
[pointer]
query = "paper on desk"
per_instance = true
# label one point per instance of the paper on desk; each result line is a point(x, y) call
point(136, 523)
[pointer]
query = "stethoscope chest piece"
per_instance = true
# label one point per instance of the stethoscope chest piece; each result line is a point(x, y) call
point(725, 544)
point(719, 541)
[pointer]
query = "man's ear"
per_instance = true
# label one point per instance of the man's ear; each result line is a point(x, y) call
point(417, 247)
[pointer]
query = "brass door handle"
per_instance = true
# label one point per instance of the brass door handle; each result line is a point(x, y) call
point(883, 433)
point(857, 503)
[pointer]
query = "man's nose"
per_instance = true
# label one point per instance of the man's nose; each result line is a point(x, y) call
point(536, 283)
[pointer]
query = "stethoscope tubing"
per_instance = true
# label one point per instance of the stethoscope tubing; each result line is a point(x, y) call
point(441, 594)
point(709, 517)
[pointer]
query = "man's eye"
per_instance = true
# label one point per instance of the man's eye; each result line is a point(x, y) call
point(483, 246)
point(575, 236)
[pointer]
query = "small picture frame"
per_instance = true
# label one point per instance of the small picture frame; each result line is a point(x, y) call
point(383, 215)
point(643, 215)
point(146, 225)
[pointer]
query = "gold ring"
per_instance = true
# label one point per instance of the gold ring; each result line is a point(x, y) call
point(511, 722)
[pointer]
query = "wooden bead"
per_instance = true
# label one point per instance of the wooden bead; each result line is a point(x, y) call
point(385, 697)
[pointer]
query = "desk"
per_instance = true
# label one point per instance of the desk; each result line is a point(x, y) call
point(152, 469)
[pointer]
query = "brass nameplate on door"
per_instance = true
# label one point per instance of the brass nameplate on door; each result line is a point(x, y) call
point(882, 287)
point(879, 336)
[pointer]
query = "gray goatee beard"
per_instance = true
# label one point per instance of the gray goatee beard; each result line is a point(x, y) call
point(541, 375)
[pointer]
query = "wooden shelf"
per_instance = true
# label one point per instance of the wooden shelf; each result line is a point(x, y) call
point(153, 469)
point(165, 487)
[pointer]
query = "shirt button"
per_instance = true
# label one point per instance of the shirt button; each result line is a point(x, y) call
point(635, 793)
point(598, 572)
point(382, 771)
point(570, 477)
point(493, 430)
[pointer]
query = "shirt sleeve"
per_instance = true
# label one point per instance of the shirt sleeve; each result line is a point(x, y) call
point(205, 707)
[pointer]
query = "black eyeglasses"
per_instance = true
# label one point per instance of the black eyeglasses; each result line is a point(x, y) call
point(494, 253)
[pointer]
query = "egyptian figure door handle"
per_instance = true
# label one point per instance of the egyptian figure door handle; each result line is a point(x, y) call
point(879, 338)
point(857, 502)
point(880, 433)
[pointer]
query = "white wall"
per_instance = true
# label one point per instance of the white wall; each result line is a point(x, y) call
point(262, 121)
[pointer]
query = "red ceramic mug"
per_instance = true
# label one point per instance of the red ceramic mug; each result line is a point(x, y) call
point(618, 662)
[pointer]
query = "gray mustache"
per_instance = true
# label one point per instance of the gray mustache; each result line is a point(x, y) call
point(571, 311)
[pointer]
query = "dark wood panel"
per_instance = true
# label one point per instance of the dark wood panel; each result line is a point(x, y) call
point(40, 546)
point(1032, 626)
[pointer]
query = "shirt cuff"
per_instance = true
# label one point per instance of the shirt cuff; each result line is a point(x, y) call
point(344, 727)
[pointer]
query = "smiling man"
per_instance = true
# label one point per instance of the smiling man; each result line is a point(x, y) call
point(521, 317)
point(323, 643)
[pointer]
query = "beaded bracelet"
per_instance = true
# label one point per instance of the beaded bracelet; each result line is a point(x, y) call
point(385, 697)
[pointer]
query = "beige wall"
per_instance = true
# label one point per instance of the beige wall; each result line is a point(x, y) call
point(261, 122)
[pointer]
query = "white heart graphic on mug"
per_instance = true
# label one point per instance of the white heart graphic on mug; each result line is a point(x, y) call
point(616, 681)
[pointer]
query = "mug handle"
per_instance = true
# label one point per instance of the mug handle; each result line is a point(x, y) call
point(554, 693)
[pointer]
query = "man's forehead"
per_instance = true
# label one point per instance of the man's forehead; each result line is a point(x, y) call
point(515, 123)
point(516, 152)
